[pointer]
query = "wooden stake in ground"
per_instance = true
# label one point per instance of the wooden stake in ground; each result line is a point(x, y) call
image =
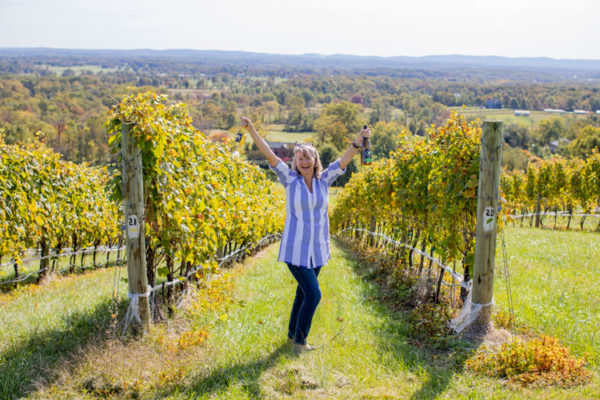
point(487, 216)
point(133, 208)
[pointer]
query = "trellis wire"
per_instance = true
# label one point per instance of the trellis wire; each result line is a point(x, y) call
point(558, 214)
point(30, 260)
point(388, 239)
point(508, 288)
point(133, 309)
point(60, 255)
point(470, 310)
point(222, 260)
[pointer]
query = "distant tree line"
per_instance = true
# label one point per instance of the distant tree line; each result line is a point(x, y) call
point(70, 110)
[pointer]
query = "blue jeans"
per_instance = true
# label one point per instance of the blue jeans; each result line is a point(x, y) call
point(308, 295)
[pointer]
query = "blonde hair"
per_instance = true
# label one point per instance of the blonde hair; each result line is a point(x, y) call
point(307, 151)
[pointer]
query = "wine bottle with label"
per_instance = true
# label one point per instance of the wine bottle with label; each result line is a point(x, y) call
point(365, 154)
point(240, 138)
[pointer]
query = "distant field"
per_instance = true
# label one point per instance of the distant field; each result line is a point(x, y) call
point(192, 92)
point(79, 69)
point(277, 80)
point(275, 133)
point(508, 115)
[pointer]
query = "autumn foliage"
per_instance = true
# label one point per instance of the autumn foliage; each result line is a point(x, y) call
point(424, 195)
point(200, 199)
point(537, 362)
point(51, 203)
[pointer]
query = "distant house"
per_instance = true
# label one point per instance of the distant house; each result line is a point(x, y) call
point(597, 111)
point(285, 151)
point(357, 99)
point(555, 144)
point(522, 113)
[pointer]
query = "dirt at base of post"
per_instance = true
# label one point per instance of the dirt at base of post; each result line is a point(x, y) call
point(486, 334)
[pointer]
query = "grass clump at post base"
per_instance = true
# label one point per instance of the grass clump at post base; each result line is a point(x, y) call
point(538, 362)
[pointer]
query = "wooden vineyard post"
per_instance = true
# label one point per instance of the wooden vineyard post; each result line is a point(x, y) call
point(487, 216)
point(133, 208)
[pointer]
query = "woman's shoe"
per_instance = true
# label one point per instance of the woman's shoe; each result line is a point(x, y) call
point(299, 348)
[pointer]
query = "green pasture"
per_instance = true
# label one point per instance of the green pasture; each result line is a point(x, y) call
point(554, 276)
point(508, 115)
point(41, 327)
point(79, 69)
point(274, 133)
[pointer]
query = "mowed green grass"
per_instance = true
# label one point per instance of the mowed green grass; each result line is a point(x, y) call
point(289, 137)
point(275, 133)
point(555, 281)
point(508, 115)
point(42, 325)
point(364, 348)
point(365, 351)
point(79, 69)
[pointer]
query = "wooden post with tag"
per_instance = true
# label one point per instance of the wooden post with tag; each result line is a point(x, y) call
point(133, 208)
point(487, 218)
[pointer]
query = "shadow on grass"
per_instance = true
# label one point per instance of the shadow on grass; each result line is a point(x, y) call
point(246, 375)
point(436, 362)
point(34, 360)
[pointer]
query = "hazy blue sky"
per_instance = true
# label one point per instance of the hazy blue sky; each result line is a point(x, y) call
point(514, 28)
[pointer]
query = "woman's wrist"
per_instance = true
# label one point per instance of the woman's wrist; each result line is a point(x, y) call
point(359, 140)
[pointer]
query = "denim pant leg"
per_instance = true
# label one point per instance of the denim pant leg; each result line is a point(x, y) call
point(308, 295)
point(298, 300)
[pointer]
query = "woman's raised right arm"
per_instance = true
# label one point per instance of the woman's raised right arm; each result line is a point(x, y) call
point(260, 142)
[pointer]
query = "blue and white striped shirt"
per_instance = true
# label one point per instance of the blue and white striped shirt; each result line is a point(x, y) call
point(306, 232)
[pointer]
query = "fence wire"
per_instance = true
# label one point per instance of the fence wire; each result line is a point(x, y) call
point(436, 261)
point(50, 257)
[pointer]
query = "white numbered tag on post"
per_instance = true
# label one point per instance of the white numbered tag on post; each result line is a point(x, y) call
point(489, 219)
point(133, 227)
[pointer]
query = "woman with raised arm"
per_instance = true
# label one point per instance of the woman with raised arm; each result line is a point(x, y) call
point(305, 241)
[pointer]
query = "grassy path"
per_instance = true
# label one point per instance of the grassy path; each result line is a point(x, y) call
point(364, 347)
point(364, 351)
point(357, 340)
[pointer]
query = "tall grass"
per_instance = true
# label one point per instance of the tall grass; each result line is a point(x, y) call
point(40, 325)
point(555, 280)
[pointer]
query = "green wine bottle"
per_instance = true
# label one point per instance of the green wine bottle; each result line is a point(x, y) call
point(240, 138)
